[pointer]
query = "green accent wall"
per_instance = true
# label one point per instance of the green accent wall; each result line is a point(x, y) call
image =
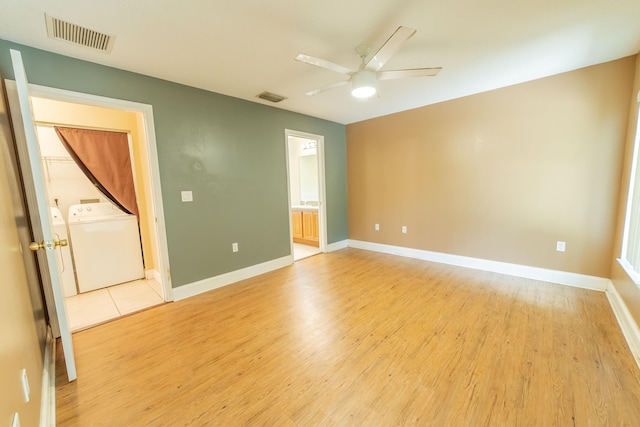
point(229, 152)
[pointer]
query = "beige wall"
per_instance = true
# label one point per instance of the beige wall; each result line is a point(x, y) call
point(500, 175)
point(70, 114)
point(19, 343)
point(628, 290)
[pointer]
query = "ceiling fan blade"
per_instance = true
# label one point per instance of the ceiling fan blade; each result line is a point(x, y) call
point(402, 74)
point(322, 63)
point(327, 88)
point(390, 47)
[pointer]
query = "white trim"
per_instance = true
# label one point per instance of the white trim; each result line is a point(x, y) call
point(628, 268)
point(48, 396)
point(86, 98)
point(225, 279)
point(157, 276)
point(322, 195)
point(628, 325)
point(152, 158)
point(536, 273)
point(336, 246)
point(153, 274)
point(287, 162)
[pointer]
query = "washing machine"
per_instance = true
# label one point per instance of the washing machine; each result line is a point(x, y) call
point(63, 254)
point(105, 242)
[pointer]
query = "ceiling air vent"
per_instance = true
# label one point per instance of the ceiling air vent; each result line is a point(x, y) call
point(62, 30)
point(268, 96)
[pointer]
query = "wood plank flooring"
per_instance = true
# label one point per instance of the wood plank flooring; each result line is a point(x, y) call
point(356, 338)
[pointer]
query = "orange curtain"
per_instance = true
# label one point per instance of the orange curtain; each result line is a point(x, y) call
point(104, 158)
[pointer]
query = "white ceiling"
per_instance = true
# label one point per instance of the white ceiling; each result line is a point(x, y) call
point(241, 48)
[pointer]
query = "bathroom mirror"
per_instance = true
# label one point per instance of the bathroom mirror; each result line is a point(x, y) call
point(309, 178)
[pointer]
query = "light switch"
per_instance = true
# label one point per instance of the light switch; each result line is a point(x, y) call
point(187, 196)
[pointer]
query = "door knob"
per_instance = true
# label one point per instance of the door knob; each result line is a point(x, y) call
point(34, 246)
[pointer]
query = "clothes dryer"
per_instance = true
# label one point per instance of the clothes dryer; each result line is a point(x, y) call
point(106, 245)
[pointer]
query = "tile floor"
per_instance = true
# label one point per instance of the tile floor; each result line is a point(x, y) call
point(301, 251)
point(91, 308)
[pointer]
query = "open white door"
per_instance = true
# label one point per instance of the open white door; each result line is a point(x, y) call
point(39, 210)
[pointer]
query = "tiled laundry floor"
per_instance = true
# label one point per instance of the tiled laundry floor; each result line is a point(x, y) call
point(99, 306)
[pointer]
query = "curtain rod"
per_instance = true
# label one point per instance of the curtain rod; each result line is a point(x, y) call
point(52, 124)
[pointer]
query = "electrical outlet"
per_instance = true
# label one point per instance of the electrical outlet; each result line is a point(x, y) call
point(560, 246)
point(404, 229)
point(234, 247)
point(377, 227)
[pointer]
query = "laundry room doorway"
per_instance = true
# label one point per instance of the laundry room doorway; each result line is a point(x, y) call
point(77, 206)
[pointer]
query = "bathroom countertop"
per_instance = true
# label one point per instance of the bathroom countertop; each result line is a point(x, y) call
point(304, 208)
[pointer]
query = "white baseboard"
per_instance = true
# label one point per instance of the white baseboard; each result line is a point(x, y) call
point(211, 283)
point(48, 396)
point(336, 246)
point(152, 274)
point(536, 273)
point(628, 325)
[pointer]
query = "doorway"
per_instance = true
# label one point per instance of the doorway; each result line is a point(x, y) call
point(306, 181)
point(53, 107)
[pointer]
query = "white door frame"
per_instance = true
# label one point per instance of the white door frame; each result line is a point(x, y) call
point(322, 196)
point(152, 158)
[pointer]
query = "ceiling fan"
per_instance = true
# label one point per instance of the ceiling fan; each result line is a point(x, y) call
point(363, 80)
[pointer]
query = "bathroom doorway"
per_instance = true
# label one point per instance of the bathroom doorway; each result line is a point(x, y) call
point(307, 213)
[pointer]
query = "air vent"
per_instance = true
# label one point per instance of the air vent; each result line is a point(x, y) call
point(62, 30)
point(268, 96)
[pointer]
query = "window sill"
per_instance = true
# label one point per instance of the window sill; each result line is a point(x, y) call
point(634, 276)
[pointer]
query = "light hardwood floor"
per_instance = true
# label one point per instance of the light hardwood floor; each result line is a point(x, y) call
point(356, 338)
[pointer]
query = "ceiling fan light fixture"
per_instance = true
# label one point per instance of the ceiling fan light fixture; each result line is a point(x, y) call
point(363, 84)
